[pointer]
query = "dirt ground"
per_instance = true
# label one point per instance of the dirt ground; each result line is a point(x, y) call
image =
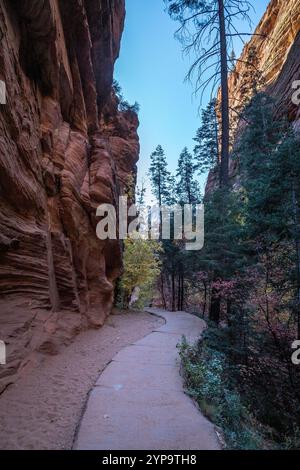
point(43, 408)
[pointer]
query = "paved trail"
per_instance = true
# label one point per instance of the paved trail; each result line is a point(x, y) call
point(138, 402)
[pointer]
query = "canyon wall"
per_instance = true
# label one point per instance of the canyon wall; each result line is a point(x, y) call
point(65, 148)
point(276, 42)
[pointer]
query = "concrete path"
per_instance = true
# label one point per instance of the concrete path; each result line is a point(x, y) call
point(138, 402)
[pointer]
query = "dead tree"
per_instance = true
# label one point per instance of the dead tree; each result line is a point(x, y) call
point(208, 28)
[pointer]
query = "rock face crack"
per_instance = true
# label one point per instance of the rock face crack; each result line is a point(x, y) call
point(64, 149)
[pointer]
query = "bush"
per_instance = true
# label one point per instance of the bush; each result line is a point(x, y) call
point(141, 269)
point(205, 374)
point(124, 106)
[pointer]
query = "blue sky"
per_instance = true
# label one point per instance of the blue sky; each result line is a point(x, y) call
point(151, 70)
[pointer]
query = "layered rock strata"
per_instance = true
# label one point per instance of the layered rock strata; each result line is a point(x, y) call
point(65, 148)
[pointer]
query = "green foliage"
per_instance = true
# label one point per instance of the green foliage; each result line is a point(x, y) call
point(170, 190)
point(141, 268)
point(251, 257)
point(176, 8)
point(123, 105)
point(140, 194)
point(292, 441)
point(117, 89)
point(206, 151)
point(187, 188)
point(223, 254)
point(130, 186)
point(160, 176)
point(270, 162)
point(205, 371)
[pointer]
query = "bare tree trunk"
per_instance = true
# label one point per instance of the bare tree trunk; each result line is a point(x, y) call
point(229, 307)
point(215, 307)
point(173, 292)
point(205, 298)
point(182, 293)
point(179, 292)
point(224, 171)
point(162, 289)
point(245, 342)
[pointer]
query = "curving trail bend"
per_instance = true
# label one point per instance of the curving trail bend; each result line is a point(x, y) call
point(138, 402)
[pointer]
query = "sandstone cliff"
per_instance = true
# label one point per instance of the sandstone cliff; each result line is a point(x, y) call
point(64, 149)
point(276, 42)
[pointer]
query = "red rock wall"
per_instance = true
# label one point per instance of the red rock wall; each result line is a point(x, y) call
point(277, 43)
point(64, 149)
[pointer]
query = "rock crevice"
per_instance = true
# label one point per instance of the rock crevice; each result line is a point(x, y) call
point(65, 148)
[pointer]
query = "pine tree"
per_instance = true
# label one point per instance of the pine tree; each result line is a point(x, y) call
point(140, 193)
point(232, 59)
point(208, 28)
point(270, 160)
point(206, 151)
point(223, 254)
point(187, 188)
point(163, 185)
point(160, 176)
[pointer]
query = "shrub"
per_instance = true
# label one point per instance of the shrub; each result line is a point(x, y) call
point(205, 374)
point(124, 106)
point(141, 269)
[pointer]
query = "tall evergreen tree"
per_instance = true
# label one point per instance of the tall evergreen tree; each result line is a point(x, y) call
point(140, 193)
point(270, 161)
point(223, 254)
point(207, 28)
point(163, 189)
point(160, 176)
point(187, 188)
point(206, 151)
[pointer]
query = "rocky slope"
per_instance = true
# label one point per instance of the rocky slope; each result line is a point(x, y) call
point(276, 42)
point(64, 149)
